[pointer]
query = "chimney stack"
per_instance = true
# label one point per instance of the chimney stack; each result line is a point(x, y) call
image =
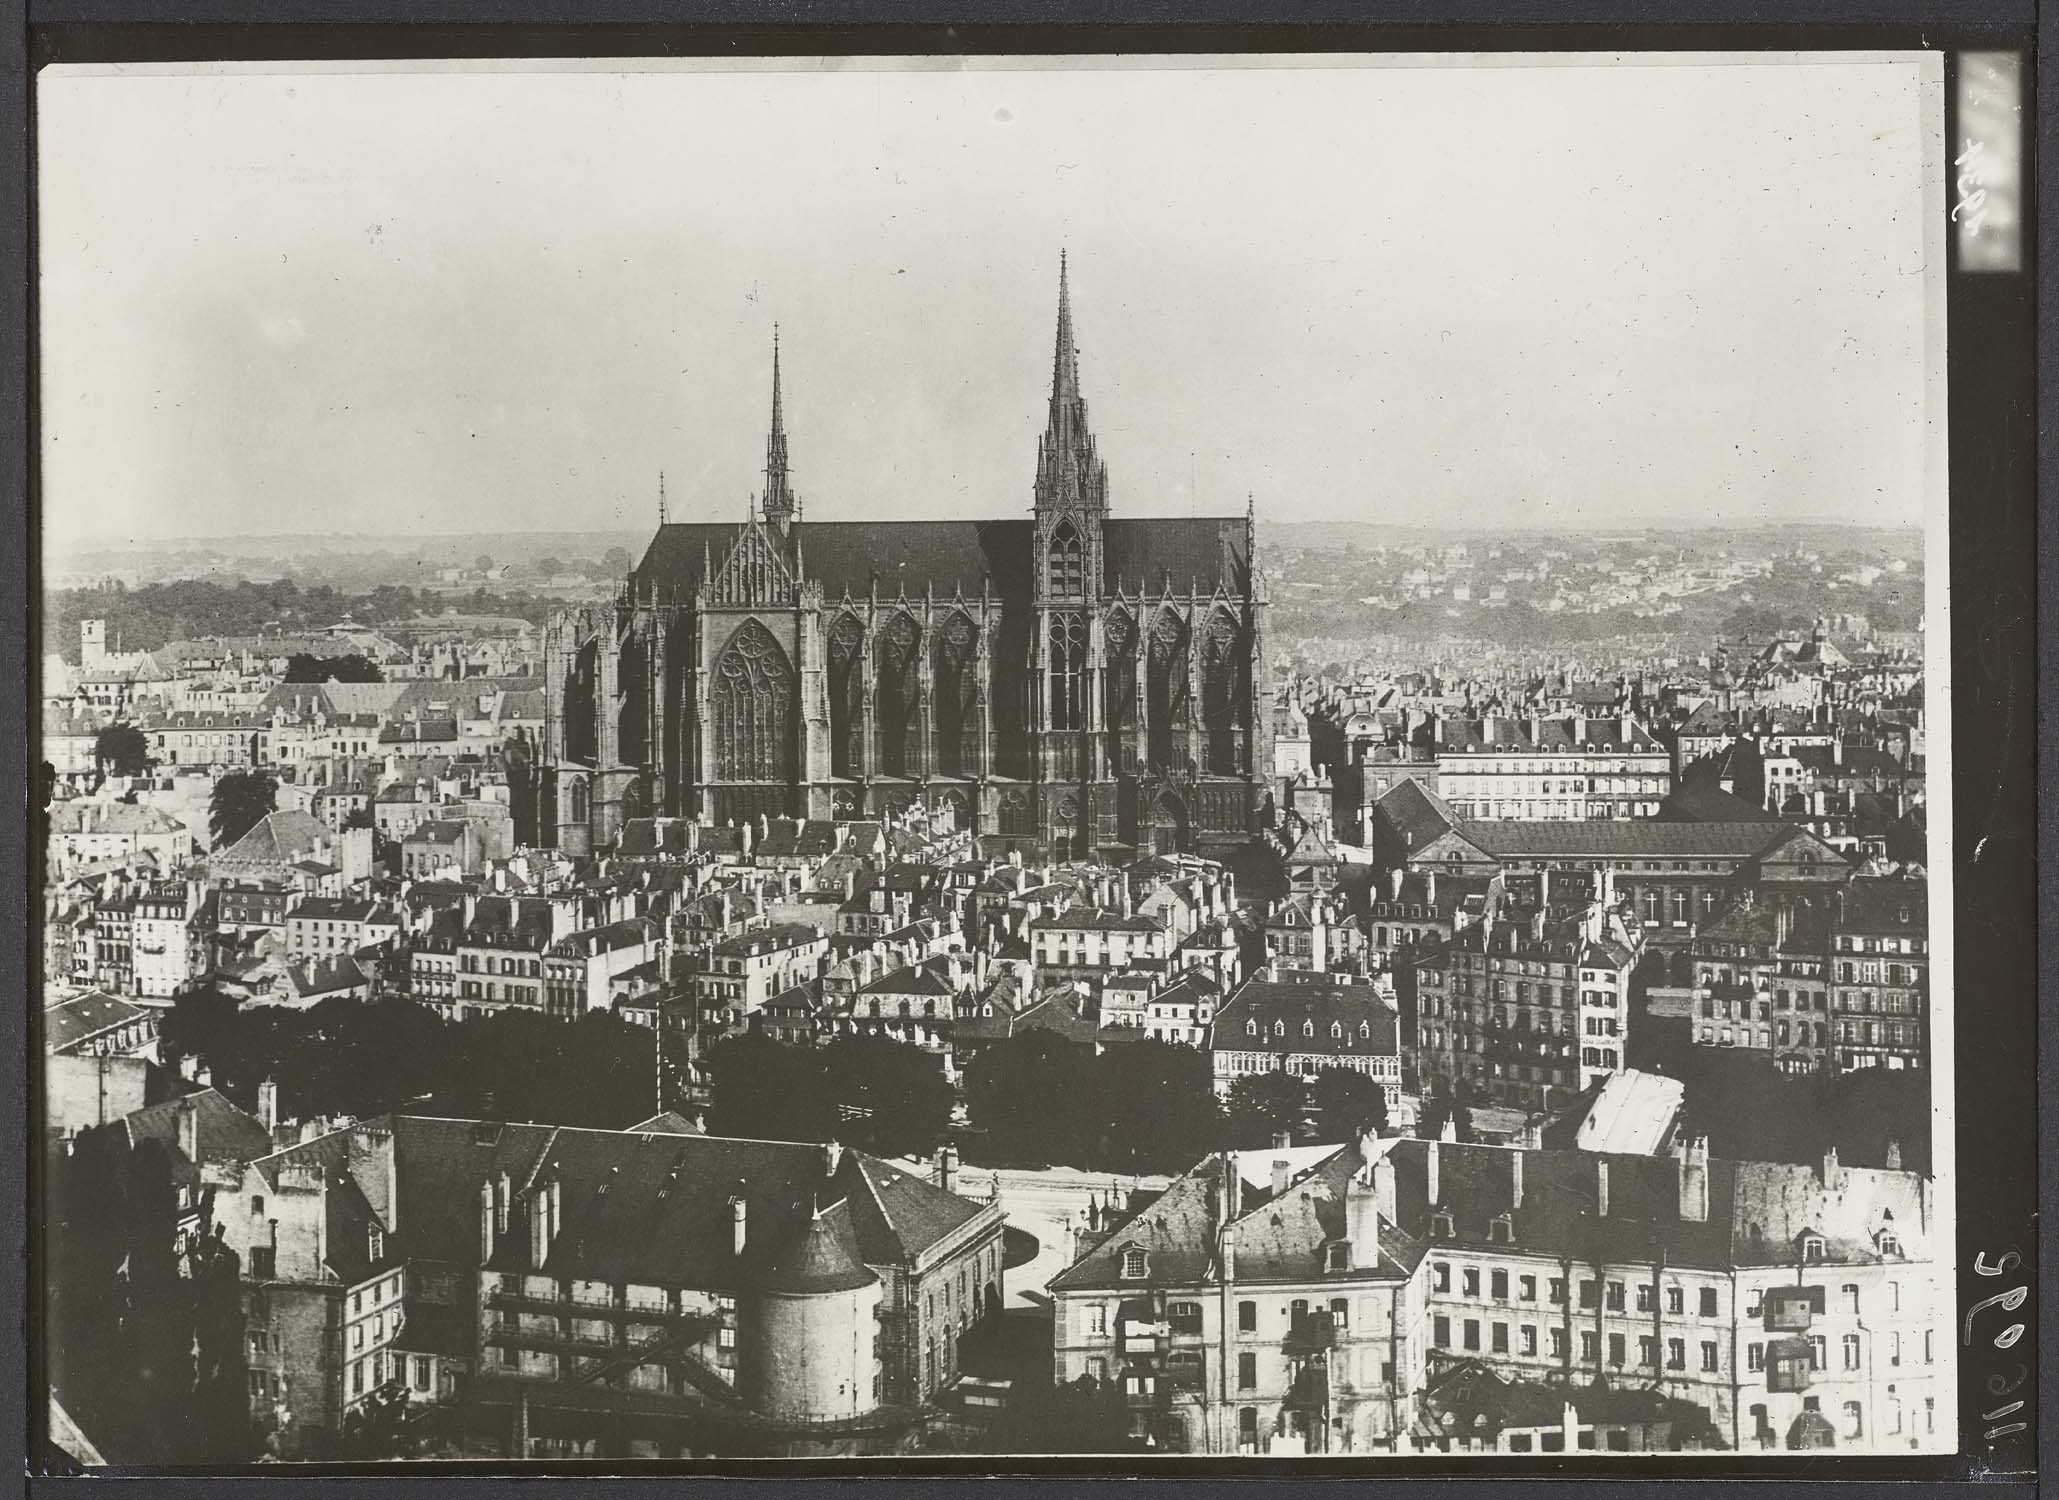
point(268, 1104)
point(1281, 1171)
point(737, 1221)
point(1694, 1181)
point(487, 1224)
point(1894, 1156)
point(1830, 1172)
point(947, 1166)
point(539, 1228)
point(1430, 1184)
point(1515, 1180)
point(1601, 1187)
point(1232, 1187)
point(189, 1132)
point(832, 1157)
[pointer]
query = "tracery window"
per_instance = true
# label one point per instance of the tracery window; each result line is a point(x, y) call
point(1068, 671)
point(1068, 562)
point(846, 696)
point(895, 703)
point(1223, 678)
point(952, 694)
point(1166, 684)
point(1120, 679)
point(753, 708)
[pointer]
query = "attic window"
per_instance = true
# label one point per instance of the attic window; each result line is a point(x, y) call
point(375, 1245)
point(1812, 1247)
point(1888, 1242)
point(1365, 1028)
point(1440, 1225)
point(1337, 1256)
point(1502, 1231)
point(1308, 1028)
point(1251, 1028)
point(1135, 1264)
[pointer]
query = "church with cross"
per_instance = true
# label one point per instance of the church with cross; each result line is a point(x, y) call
point(1069, 679)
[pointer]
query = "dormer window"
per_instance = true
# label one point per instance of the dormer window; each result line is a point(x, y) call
point(1135, 1264)
point(1887, 1242)
point(1440, 1225)
point(1251, 1028)
point(1502, 1231)
point(1337, 1256)
point(1308, 1028)
point(375, 1238)
point(1812, 1247)
point(1336, 1031)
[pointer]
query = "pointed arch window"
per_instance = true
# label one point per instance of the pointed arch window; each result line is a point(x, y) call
point(846, 696)
point(1068, 671)
point(753, 708)
point(898, 663)
point(1068, 573)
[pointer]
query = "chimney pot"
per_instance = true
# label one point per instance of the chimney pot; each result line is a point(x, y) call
point(1601, 1188)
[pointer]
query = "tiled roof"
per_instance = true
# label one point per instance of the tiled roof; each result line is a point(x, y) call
point(70, 1022)
point(1305, 1012)
point(897, 557)
point(279, 837)
point(1626, 837)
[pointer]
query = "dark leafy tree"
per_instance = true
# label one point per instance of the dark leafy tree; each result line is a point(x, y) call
point(618, 561)
point(1347, 1103)
point(1261, 1105)
point(121, 749)
point(549, 567)
point(482, 563)
point(240, 802)
point(1156, 1106)
point(352, 667)
point(357, 817)
point(1025, 1094)
point(768, 1090)
point(1083, 1416)
point(891, 1099)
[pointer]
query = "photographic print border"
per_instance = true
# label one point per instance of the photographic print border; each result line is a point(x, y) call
point(1997, 595)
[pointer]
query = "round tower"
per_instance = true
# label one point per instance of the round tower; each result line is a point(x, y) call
point(807, 1344)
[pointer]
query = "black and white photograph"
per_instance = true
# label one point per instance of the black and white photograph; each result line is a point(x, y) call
point(1227, 756)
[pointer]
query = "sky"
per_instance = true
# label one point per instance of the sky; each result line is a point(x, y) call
point(1517, 295)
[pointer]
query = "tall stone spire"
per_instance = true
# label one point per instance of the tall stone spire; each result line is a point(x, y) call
point(1068, 471)
point(1065, 363)
point(780, 504)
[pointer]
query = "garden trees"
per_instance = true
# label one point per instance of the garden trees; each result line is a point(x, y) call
point(1155, 1103)
point(1030, 1095)
point(891, 1099)
point(1347, 1103)
point(1262, 1105)
point(354, 667)
point(121, 749)
point(241, 800)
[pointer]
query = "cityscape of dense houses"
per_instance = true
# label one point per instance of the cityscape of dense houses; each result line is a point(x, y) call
point(1475, 892)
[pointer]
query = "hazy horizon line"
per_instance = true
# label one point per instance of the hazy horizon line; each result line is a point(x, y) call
point(1667, 523)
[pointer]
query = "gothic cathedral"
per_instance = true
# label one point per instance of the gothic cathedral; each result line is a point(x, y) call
point(1093, 684)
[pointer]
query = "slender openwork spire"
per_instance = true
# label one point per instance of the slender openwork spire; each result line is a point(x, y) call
point(1068, 472)
point(1065, 363)
point(780, 504)
point(661, 497)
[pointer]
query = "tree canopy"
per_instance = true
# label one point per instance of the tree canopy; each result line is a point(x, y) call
point(370, 1057)
point(355, 666)
point(122, 749)
point(1262, 1105)
point(870, 1092)
point(1347, 1103)
point(240, 801)
point(1144, 1106)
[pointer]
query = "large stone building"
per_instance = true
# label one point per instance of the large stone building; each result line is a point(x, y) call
point(1069, 677)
